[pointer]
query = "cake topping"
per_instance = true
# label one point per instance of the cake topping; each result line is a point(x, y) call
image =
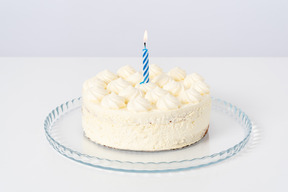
point(154, 94)
point(135, 78)
point(97, 82)
point(164, 91)
point(177, 74)
point(197, 77)
point(98, 92)
point(173, 87)
point(202, 88)
point(162, 79)
point(189, 81)
point(139, 104)
point(94, 82)
point(154, 70)
point(146, 86)
point(113, 101)
point(130, 93)
point(117, 85)
point(125, 71)
point(106, 76)
point(168, 102)
point(190, 96)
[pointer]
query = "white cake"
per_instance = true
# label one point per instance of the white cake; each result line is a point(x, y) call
point(171, 111)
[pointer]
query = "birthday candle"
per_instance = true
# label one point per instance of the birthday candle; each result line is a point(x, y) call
point(145, 55)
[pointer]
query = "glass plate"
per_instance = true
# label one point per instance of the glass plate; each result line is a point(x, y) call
point(229, 131)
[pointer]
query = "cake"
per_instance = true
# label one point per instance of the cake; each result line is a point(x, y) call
point(170, 112)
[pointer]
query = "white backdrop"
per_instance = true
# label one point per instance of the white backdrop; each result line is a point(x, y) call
point(115, 28)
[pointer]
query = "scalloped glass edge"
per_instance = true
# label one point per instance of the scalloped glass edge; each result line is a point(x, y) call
point(127, 166)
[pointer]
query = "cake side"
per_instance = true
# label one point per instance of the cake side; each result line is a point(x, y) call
point(147, 131)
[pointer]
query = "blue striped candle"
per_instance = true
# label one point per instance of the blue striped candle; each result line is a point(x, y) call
point(145, 55)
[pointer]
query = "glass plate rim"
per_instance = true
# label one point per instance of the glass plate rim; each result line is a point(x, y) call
point(60, 110)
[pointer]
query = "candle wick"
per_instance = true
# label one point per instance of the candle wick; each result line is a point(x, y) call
point(145, 45)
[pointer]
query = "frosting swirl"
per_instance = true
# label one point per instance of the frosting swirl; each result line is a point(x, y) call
point(106, 76)
point(162, 79)
point(173, 87)
point(98, 92)
point(135, 78)
point(146, 86)
point(202, 88)
point(196, 77)
point(130, 93)
point(177, 74)
point(139, 104)
point(168, 102)
point(117, 85)
point(125, 71)
point(189, 81)
point(113, 101)
point(94, 82)
point(154, 94)
point(190, 96)
point(154, 70)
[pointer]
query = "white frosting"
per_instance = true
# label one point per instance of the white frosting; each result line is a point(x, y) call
point(125, 71)
point(106, 76)
point(130, 93)
point(89, 97)
point(177, 74)
point(192, 79)
point(202, 88)
point(117, 85)
point(196, 77)
point(98, 92)
point(187, 91)
point(146, 86)
point(173, 87)
point(162, 79)
point(154, 70)
point(154, 94)
point(139, 104)
point(135, 78)
point(190, 96)
point(168, 102)
point(113, 101)
point(189, 81)
point(94, 82)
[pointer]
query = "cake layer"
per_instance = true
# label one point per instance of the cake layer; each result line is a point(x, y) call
point(153, 131)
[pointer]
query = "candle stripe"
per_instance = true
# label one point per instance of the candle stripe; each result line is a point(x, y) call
point(145, 73)
point(146, 79)
point(145, 58)
point(144, 52)
point(145, 66)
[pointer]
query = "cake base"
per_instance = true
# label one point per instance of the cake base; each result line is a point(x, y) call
point(146, 131)
point(150, 150)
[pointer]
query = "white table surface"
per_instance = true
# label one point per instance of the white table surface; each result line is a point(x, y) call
point(32, 87)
